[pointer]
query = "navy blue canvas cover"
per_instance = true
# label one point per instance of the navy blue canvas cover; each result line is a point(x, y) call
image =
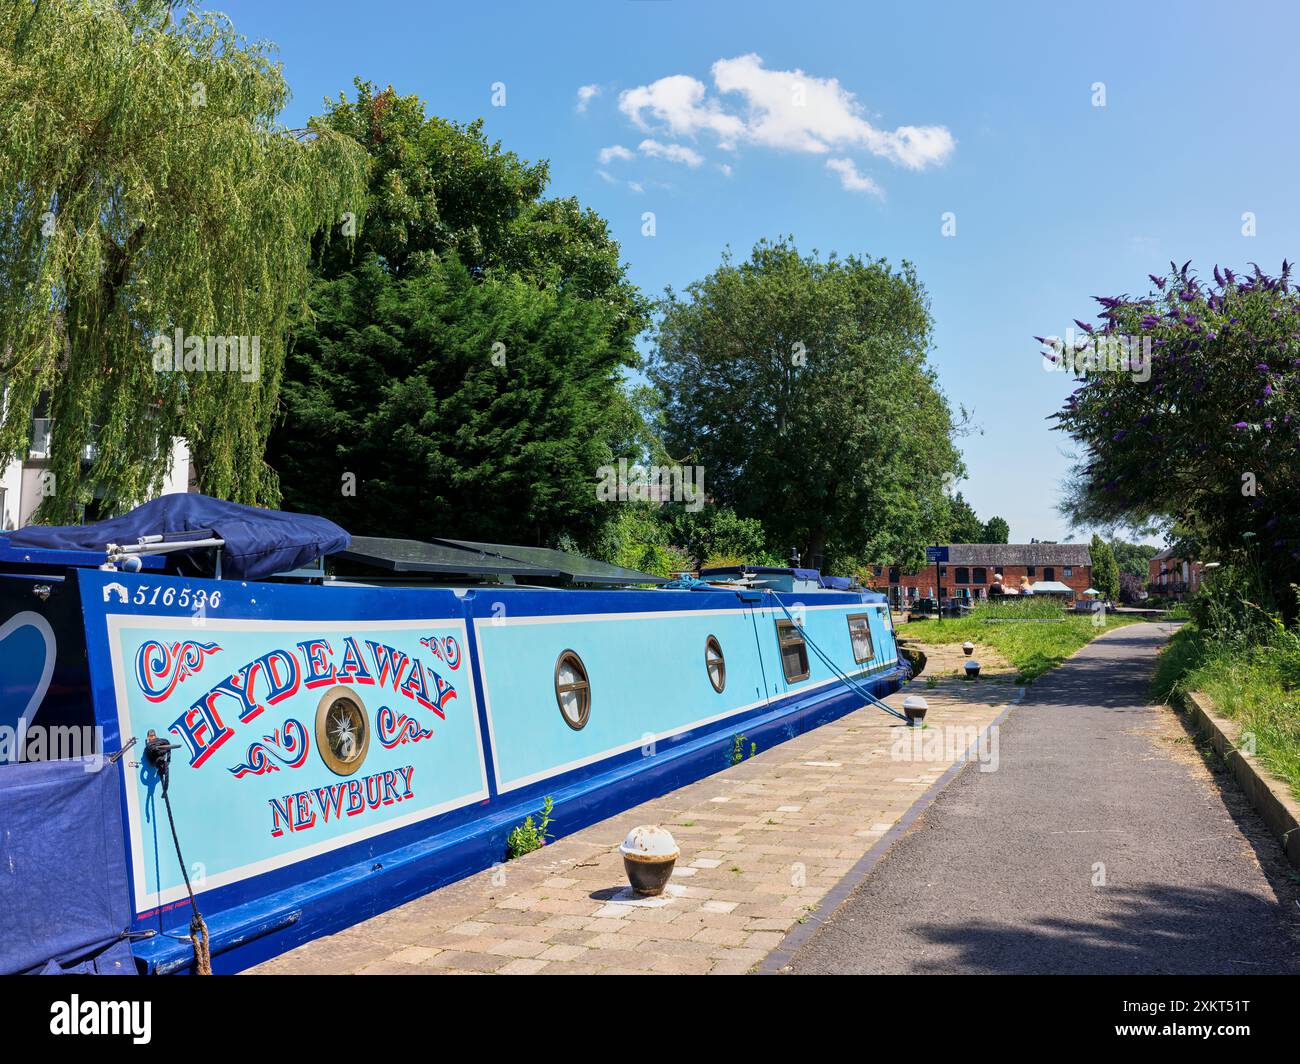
point(64, 902)
point(837, 583)
point(259, 542)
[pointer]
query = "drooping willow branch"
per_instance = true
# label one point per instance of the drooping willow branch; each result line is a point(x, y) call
point(149, 194)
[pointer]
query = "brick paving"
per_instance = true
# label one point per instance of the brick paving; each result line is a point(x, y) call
point(762, 844)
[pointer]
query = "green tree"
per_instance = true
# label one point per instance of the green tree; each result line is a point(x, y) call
point(715, 532)
point(1105, 571)
point(636, 536)
point(147, 186)
point(996, 530)
point(443, 440)
point(1187, 414)
point(801, 385)
point(963, 524)
point(464, 370)
point(1133, 557)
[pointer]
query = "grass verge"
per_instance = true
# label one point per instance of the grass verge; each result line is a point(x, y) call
point(1032, 646)
point(1257, 685)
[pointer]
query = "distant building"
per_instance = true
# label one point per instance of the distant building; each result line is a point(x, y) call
point(1169, 576)
point(972, 567)
point(23, 483)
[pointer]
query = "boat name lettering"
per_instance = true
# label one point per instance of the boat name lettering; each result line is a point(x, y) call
point(281, 673)
point(303, 810)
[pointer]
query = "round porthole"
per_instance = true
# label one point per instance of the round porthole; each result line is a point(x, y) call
point(342, 730)
point(715, 663)
point(572, 691)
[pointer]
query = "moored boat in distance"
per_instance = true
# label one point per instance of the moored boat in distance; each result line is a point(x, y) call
point(336, 742)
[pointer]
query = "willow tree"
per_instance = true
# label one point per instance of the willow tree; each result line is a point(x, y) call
point(146, 187)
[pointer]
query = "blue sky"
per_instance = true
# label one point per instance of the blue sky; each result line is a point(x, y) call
point(1055, 199)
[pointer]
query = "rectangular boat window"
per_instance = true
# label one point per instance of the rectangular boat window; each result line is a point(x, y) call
point(794, 653)
point(860, 635)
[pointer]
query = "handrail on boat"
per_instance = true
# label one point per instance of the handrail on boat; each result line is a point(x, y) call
point(870, 698)
point(149, 546)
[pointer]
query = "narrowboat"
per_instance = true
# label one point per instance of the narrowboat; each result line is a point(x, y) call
point(217, 709)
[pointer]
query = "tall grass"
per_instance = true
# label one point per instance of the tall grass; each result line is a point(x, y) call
point(1253, 680)
point(1018, 608)
point(1034, 647)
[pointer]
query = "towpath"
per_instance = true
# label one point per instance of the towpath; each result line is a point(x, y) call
point(766, 845)
point(1102, 844)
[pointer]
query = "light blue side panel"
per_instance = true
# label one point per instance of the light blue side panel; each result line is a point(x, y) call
point(647, 675)
point(648, 679)
point(828, 628)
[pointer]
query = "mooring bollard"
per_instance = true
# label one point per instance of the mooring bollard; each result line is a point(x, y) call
point(972, 669)
point(649, 854)
point(968, 648)
point(914, 709)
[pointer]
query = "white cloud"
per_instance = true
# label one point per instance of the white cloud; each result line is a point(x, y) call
point(725, 168)
point(678, 103)
point(851, 179)
point(636, 186)
point(614, 151)
point(793, 110)
point(787, 110)
point(586, 94)
point(605, 175)
point(676, 153)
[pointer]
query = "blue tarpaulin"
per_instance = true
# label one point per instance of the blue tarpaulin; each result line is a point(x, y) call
point(64, 903)
point(259, 542)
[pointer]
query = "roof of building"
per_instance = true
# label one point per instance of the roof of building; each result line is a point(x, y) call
point(1168, 552)
point(995, 554)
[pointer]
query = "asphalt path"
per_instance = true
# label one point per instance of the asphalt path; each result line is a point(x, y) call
point(1102, 843)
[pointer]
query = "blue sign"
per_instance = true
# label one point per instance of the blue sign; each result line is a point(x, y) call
point(936, 554)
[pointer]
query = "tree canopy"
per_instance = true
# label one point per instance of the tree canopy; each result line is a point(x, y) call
point(996, 530)
point(801, 386)
point(462, 371)
point(1132, 557)
point(1105, 571)
point(1204, 434)
point(147, 186)
point(962, 522)
point(394, 394)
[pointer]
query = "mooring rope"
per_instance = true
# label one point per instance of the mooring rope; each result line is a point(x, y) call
point(853, 685)
point(161, 752)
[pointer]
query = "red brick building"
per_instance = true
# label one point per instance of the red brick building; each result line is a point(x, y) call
point(1172, 577)
point(972, 567)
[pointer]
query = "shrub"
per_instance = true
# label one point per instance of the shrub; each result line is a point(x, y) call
point(530, 835)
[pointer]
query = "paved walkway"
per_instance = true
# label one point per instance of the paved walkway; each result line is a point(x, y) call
point(1103, 844)
point(763, 843)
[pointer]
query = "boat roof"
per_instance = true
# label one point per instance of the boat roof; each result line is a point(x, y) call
point(467, 558)
point(199, 535)
point(830, 583)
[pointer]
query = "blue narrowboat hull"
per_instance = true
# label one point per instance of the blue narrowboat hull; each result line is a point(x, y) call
point(463, 735)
